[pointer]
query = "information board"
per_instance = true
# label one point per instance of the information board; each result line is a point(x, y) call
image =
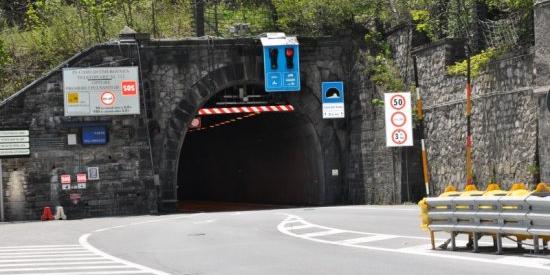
point(14, 143)
point(104, 91)
point(398, 119)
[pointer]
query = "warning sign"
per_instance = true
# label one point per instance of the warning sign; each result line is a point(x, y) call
point(73, 98)
point(66, 179)
point(81, 178)
point(398, 119)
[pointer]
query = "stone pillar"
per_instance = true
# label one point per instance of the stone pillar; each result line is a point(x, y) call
point(542, 46)
point(541, 86)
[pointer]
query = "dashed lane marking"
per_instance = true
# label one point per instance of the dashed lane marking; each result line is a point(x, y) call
point(363, 239)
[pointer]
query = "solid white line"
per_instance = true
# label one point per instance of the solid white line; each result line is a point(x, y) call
point(88, 273)
point(429, 253)
point(40, 249)
point(43, 253)
point(58, 263)
point(64, 259)
point(66, 268)
point(83, 240)
point(367, 239)
point(39, 246)
point(322, 233)
point(47, 256)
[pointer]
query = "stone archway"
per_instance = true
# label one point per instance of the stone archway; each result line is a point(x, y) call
point(248, 72)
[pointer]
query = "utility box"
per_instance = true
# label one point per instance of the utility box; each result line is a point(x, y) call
point(281, 63)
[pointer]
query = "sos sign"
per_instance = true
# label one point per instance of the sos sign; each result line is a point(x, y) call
point(398, 113)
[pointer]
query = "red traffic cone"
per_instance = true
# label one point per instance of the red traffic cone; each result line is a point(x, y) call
point(47, 214)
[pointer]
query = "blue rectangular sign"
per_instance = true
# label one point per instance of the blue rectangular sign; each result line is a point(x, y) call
point(333, 92)
point(94, 135)
point(282, 68)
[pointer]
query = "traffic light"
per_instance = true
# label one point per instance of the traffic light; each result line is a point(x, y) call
point(289, 54)
point(273, 56)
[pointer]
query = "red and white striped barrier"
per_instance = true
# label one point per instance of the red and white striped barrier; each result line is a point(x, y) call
point(250, 109)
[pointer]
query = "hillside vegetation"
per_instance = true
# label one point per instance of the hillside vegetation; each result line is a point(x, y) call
point(36, 35)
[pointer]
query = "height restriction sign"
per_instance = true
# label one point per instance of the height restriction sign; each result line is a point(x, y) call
point(398, 119)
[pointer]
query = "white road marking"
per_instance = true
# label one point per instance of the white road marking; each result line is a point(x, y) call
point(110, 272)
point(40, 249)
point(35, 263)
point(56, 259)
point(322, 233)
point(368, 239)
point(39, 246)
point(297, 227)
point(53, 255)
point(416, 250)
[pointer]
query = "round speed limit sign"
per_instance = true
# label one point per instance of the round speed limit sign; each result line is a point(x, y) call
point(399, 136)
point(397, 102)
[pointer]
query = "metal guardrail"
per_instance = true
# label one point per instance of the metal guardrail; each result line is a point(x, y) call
point(518, 213)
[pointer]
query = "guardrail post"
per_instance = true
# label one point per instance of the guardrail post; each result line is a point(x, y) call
point(499, 243)
point(453, 241)
point(536, 244)
point(432, 238)
point(476, 244)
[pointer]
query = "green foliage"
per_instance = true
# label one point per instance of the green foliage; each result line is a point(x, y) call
point(377, 102)
point(384, 73)
point(477, 63)
point(319, 17)
point(421, 18)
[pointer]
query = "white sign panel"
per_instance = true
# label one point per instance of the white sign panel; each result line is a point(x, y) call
point(332, 95)
point(398, 119)
point(93, 173)
point(105, 91)
point(14, 143)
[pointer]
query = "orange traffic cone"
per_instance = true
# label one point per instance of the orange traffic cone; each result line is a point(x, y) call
point(47, 214)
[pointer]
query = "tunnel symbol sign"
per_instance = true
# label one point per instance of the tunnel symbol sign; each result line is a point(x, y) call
point(399, 136)
point(107, 98)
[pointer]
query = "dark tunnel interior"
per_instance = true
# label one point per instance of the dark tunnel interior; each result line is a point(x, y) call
point(267, 158)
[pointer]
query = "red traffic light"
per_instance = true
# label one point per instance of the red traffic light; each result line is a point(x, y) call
point(289, 52)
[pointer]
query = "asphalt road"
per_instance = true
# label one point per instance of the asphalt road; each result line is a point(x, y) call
point(328, 240)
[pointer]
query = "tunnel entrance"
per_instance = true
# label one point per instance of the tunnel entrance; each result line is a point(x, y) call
point(267, 158)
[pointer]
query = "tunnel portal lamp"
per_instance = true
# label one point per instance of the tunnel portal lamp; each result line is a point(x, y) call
point(281, 62)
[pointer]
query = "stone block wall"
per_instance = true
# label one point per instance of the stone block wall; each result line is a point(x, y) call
point(504, 118)
point(126, 178)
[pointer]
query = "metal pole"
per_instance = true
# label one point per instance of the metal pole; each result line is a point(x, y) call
point(469, 139)
point(1, 193)
point(420, 115)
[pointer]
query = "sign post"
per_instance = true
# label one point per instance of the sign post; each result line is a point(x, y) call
point(398, 119)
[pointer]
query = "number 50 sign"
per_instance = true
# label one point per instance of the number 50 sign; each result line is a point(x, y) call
point(398, 112)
